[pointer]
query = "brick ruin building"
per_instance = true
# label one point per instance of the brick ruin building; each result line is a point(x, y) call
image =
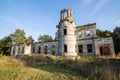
point(70, 40)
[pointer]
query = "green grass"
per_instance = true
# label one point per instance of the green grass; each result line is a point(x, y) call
point(48, 67)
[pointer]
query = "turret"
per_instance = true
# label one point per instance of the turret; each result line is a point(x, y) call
point(66, 33)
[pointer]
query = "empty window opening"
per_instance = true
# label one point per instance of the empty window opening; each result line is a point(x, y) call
point(65, 31)
point(89, 48)
point(87, 33)
point(18, 50)
point(14, 51)
point(39, 49)
point(80, 48)
point(33, 50)
point(65, 48)
point(65, 14)
point(23, 50)
point(53, 50)
point(45, 49)
point(79, 34)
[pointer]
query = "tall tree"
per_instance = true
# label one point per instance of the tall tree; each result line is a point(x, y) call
point(18, 36)
point(44, 38)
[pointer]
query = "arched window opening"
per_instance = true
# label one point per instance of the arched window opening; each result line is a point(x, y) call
point(39, 50)
point(65, 31)
point(87, 33)
point(79, 34)
point(65, 48)
point(22, 50)
point(33, 50)
point(53, 49)
point(45, 49)
point(18, 50)
point(13, 50)
point(65, 14)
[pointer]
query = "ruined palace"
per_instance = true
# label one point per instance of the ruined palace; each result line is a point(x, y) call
point(70, 40)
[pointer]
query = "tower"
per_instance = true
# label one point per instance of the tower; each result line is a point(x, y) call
point(65, 34)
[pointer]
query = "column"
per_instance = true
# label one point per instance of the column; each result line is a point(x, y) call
point(42, 49)
point(11, 51)
point(68, 13)
point(16, 50)
point(71, 13)
point(49, 50)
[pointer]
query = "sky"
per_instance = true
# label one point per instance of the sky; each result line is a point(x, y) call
point(39, 17)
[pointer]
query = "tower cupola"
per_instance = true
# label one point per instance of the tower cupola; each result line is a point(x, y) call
point(66, 14)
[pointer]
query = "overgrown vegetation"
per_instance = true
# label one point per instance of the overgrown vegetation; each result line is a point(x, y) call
point(48, 67)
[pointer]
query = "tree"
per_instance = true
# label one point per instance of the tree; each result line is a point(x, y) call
point(44, 38)
point(99, 33)
point(116, 39)
point(5, 45)
point(18, 37)
point(1, 49)
point(29, 40)
point(105, 33)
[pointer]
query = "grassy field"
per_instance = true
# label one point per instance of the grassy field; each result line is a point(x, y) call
point(48, 67)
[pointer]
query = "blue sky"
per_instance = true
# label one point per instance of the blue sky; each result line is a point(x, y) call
point(38, 17)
